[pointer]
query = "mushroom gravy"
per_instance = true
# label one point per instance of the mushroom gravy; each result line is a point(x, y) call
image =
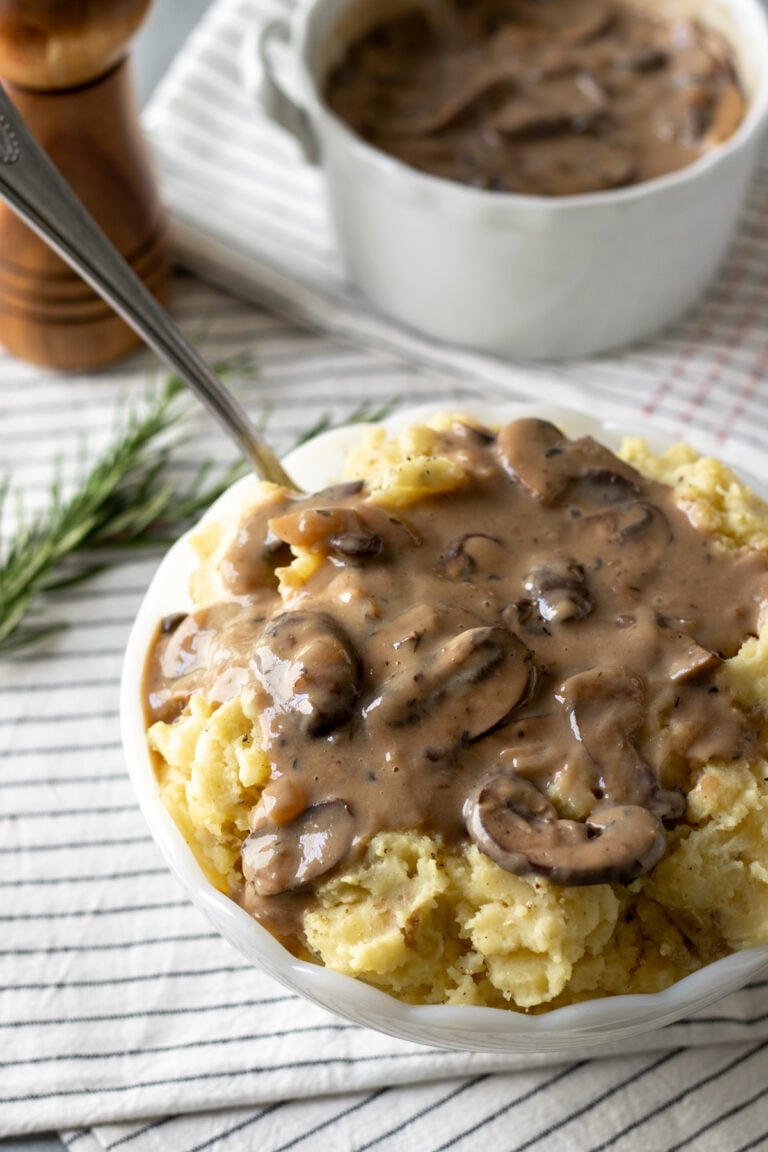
point(529, 661)
point(541, 97)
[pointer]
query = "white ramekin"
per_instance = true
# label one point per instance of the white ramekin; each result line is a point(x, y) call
point(575, 1029)
point(523, 276)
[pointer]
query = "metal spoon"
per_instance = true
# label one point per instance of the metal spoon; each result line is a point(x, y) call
point(35, 190)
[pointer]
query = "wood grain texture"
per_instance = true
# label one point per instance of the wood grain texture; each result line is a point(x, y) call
point(67, 71)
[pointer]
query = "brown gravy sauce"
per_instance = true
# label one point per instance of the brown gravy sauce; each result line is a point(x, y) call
point(541, 97)
point(529, 661)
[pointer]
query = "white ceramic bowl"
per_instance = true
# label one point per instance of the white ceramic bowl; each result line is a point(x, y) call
point(515, 275)
point(580, 1026)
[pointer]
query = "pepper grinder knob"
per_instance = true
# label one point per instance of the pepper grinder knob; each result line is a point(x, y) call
point(66, 68)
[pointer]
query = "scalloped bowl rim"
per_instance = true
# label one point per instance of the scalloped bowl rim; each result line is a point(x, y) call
point(575, 1027)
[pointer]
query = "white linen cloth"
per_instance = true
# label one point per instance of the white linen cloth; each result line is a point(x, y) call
point(124, 1020)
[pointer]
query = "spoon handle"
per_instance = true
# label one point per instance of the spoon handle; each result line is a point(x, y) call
point(35, 190)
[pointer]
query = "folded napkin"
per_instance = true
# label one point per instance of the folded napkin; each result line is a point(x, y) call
point(125, 1019)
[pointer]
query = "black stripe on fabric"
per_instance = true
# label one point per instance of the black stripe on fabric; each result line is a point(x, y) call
point(62, 718)
point(191, 297)
point(80, 845)
point(247, 327)
point(86, 624)
point(28, 409)
point(752, 1144)
point(255, 1070)
point(108, 981)
point(286, 182)
point(55, 813)
point(78, 595)
point(65, 781)
point(660, 1108)
point(348, 1111)
point(111, 947)
point(48, 686)
point(723, 1116)
point(72, 1137)
point(187, 1045)
point(62, 750)
point(70, 654)
point(708, 1021)
point(189, 1010)
point(272, 388)
point(142, 1131)
point(238, 1128)
point(307, 373)
point(601, 1099)
point(94, 879)
point(452, 1095)
point(328, 357)
point(563, 1074)
point(77, 913)
point(286, 233)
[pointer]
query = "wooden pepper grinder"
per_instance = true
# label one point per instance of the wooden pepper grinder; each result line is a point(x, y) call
point(64, 64)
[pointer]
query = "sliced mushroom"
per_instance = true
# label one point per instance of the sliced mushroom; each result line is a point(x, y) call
point(513, 823)
point(467, 685)
point(584, 21)
point(472, 555)
point(310, 669)
point(169, 624)
point(559, 590)
point(614, 57)
point(728, 114)
point(341, 531)
point(249, 562)
point(607, 708)
point(523, 615)
point(349, 534)
point(639, 528)
point(282, 799)
point(690, 659)
point(193, 655)
point(579, 162)
point(455, 97)
point(284, 857)
point(601, 486)
point(538, 456)
point(475, 435)
point(529, 452)
point(550, 106)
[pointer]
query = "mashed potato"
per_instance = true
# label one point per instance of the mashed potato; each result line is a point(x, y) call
point(436, 922)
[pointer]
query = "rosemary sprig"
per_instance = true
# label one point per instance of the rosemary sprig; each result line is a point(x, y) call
point(126, 501)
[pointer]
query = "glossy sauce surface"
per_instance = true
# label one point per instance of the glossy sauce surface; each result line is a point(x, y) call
point(529, 661)
point(542, 97)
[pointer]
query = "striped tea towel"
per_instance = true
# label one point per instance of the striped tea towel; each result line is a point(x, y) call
point(124, 1018)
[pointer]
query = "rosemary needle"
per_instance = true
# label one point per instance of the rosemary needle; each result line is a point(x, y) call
point(127, 499)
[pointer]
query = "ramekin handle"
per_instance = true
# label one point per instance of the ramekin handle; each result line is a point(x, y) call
point(279, 106)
